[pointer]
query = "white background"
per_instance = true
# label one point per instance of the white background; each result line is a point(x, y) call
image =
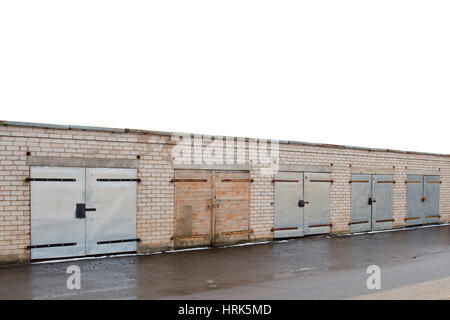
point(365, 73)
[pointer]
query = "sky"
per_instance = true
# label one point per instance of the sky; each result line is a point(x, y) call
point(362, 73)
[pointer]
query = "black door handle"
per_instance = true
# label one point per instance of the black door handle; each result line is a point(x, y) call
point(80, 211)
point(302, 203)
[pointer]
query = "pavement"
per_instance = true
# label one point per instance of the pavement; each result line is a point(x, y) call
point(414, 264)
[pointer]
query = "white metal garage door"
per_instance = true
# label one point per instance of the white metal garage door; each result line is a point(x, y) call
point(302, 204)
point(371, 202)
point(423, 200)
point(82, 211)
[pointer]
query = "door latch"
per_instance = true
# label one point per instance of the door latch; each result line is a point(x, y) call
point(302, 203)
point(80, 211)
point(372, 201)
point(424, 199)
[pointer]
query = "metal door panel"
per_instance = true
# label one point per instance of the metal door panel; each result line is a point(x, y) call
point(361, 210)
point(231, 207)
point(53, 206)
point(431, 194)
point(288, 219)
point(317, 199)
point(114, 218)
point(414, 204)
point(193, 208)
point(382, 193)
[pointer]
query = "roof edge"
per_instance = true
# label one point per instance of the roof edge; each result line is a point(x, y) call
point(168, 133)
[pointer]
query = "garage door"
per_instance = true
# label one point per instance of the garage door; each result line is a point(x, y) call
point(193, 208)
point(302, 204)
point(231, 209)
point(112, 226)
point(317, 203)
point(431, 195)
point(288, 219)
point(422, 200)
point(371, 202)
point(414, 200)
point(211, 208)
point(382, 200)
point(55, 231)
point(361, 209)
point(78, 211)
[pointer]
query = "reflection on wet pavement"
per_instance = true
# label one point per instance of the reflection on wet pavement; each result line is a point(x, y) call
point(178, 273)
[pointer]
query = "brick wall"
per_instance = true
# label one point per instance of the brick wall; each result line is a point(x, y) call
point(155, 194)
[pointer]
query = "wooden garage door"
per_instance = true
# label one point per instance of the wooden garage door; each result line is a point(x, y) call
point(211, 208)
point(231, 210)
point(193, 202)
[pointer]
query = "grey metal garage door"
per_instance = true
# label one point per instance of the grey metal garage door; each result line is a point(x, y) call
point(317, 203)
point(382, 200)
point(288, 219)
point(414, 200)
point(422, 200)
point(55, 232)
point(302, 204)
point(112, 226)
point(371, 202)
point(431, 195)
point(78, 211)
point(361, 210)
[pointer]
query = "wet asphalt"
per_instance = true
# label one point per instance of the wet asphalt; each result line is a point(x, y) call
point(319, 267)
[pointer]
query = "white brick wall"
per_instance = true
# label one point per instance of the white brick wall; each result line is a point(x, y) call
point(155, 199)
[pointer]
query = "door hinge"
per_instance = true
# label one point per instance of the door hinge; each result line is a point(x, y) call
point(358, 181)
point(193, 236)
point(385, 220)
point(357, 222)
point(237, 180)
point(119, 180)
point(320, 225)
point(230, 233)
point(66, 244)
point(283, 229)
point(119, 241)
point(189, 180)
point(330, 181)
point(51, 179)
point(277, 180)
